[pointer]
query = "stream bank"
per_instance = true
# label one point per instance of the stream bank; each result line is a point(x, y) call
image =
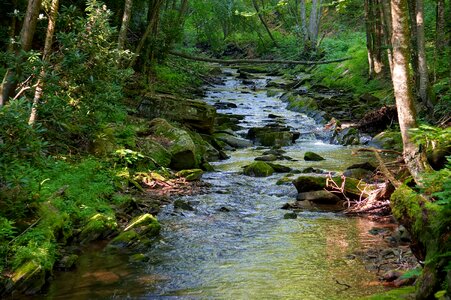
point(233, 239)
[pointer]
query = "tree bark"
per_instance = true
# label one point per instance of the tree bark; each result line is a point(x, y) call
point(125, 23)
point(424, 87)
point(45, 57)
point(314, 22)
point(303, 21)
point(387, 22)
point(262, 20)
point(414, 156)
point(9, 83)
point(369, 37)
point(154, 13)
point(440, 28)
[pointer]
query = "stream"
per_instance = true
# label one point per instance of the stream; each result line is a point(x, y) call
point(236, 244)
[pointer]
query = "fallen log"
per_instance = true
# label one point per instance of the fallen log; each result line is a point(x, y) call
point(257, 61)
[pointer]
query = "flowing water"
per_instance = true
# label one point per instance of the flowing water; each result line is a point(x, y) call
point(237, 244)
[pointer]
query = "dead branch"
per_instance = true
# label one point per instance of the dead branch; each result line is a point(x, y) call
point(375, 150)
point(257, 61)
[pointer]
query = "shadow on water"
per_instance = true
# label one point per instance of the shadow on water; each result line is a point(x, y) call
point(237, 244)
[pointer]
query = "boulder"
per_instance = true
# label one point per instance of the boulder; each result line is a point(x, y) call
point(183, 205)
point(193, 113)
point(311, 156)
point(98, 226)
point(272, 135)
point(178, 143)
point(309, 183)
point(366, 166)
point(157, 153)
point(190, 175)
point(290, 215)
point(388, 140)
point(319, 197)
point(258, 169)
point(358, 173)
point(232, 140)
point(144, 224)
point(279, 168)
point(346, 137)
point(270, 157)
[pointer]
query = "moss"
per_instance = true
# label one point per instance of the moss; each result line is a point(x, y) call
point(190, 175)
point(401, 293)
point(97, 226)
point(282, 138)
point(124, 239)
point(144, 224)
point(258, 169)
point(405, 202)
point(311, 156)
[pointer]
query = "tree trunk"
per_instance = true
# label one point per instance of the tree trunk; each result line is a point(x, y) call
point(260, 16)
point(303, 21)
point(369, 37)
point(414, 156)
point(387, 22)
point(313, 28)
point(413, 45)
point(154, 13)
point(379, 66)
point(424, 88)
point(125, 23)
point(440, 27)
point(45, 57)
point(9, 83)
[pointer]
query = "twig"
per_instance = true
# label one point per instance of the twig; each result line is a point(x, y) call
point(343, 284)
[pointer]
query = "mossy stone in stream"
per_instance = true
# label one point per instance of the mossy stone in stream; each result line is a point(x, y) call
point(279, 139)
point(258, 169)
point(309, 183)
point(138, 257)
point(98, 225)
point(279, 168)
point(144, 224)
point(290, 215)
point(190, 175)
point(124, 240)
point(311, 156)
point(28, 278)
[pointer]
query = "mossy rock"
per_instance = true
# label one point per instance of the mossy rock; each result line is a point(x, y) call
point(284, 180)
point(194, 113)
point(347, 137)
point(279, 139)
point(190, 175)
point(157, 153)
point(144, 224)
point(184, 205)
point(138, 257)
point(279, 168)
point(309, 183)
point(232, 140)
point(28, 278)
point(98, 226)
point(311, 156)
point(258, 169)
point(388, 140)
point(125, 239)
point(319, 197)
point(177, 142)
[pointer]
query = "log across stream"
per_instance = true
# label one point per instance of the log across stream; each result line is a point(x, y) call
point(236, 244)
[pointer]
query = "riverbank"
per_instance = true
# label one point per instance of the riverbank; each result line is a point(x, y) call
point(158, 148)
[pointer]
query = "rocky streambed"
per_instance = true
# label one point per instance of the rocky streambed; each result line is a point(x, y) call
point(235, 241)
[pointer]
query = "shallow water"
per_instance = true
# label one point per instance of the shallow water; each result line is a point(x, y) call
point(236, 244)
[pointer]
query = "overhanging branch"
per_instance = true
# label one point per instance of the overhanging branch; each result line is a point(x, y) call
point(257, 61)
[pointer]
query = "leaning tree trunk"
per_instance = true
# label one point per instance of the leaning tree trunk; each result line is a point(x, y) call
point(45, 57)
point(9, 83)
point(125, 22)
point(262, 20)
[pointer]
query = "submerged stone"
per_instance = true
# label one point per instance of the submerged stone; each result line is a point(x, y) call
point(311, 156)
point(320, 197)
point(180, 204)
point(258, 169)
